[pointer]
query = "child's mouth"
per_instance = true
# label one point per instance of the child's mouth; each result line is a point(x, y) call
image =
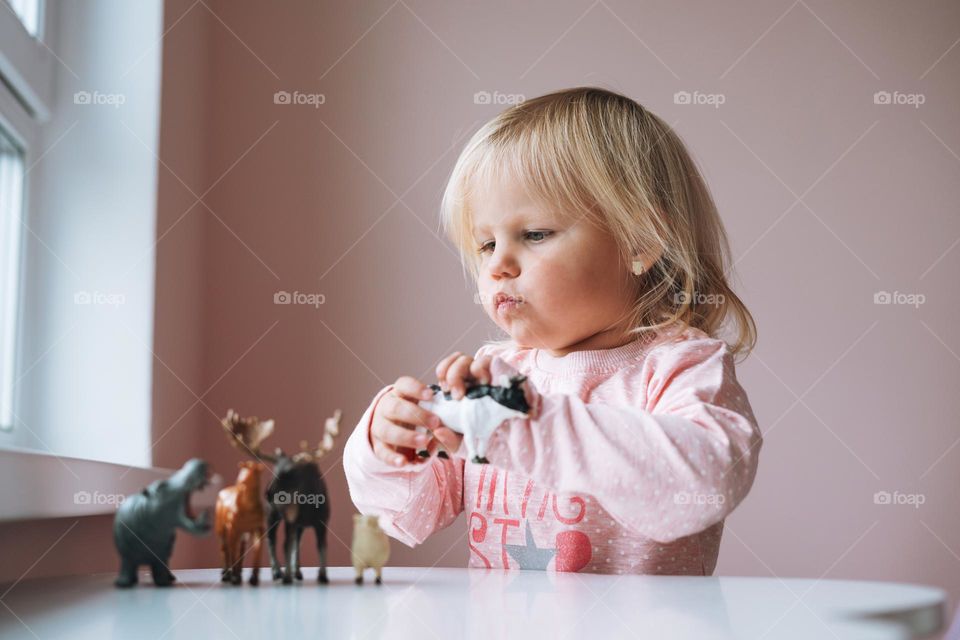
point(504, 303)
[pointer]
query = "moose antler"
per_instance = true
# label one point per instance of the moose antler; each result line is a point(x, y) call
point(247, 434)
point(330, 430)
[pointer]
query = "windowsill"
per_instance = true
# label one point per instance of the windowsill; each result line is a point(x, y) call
point(43, 485)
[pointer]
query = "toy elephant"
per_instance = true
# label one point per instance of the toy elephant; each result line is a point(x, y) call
point(144, 528)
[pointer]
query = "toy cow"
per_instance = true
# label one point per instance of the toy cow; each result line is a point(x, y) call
point(477, 415)
point(297, 495)
point(370, 548)
point(238, 521)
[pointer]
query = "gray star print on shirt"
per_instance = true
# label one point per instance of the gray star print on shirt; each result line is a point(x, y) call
point(530, 556)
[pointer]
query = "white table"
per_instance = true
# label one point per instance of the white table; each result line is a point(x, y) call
point(452, 603)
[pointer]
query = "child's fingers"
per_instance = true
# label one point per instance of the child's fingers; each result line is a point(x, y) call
point(457, 375)
point(388, 454)
point(401, 410)
point(449, 438)
point(411, 389)
point(480, 370)
point(445, 365)
point(396, 435)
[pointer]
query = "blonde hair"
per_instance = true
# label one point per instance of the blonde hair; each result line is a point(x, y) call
point(595, 155)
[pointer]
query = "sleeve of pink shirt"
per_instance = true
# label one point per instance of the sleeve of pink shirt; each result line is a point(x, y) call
point(674, 461)
point(414, 500)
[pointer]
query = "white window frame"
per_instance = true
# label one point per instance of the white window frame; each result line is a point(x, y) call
point(26, 82)
point(27, 88)
point(26, 62)
point(17, 127)
point(41, 7)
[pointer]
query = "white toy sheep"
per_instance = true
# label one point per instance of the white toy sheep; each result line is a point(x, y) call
point(370, 548)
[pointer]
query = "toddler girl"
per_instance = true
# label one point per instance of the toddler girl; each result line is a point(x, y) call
point(596, 246)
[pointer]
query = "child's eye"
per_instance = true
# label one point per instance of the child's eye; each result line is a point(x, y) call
point(538, 236)
point(532, 236)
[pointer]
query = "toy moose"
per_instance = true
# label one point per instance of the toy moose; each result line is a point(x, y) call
point(297, 495)
point(239, 517)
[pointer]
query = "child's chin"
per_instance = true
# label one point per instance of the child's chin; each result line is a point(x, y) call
point(520, 336)
point(524, 341)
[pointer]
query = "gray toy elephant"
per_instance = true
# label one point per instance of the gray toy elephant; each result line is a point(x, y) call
point(144, 528)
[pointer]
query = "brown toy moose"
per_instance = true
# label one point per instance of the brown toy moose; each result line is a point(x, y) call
point(239, 517)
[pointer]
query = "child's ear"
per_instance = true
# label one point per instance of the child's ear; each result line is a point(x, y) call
point(643, 262)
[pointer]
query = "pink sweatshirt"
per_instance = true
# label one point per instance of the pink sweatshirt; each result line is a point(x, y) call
point(635, 457)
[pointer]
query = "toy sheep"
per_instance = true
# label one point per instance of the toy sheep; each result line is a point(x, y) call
point(371, 547)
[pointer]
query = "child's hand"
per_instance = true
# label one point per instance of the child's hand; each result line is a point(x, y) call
point(456, 370)
point(392, 429)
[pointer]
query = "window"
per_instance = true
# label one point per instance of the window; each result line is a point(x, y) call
point(11, 206)
point(83, 357)
point(78, 196)
point(29, 13)
point(26, 81)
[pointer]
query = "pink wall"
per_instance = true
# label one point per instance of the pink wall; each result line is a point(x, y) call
point(312, 207)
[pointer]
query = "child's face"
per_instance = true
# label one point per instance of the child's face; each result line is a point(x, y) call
point(574, 290)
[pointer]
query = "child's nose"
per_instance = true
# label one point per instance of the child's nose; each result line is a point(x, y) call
point(503, 265)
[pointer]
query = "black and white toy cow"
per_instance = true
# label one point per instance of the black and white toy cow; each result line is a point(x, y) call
point(477, 415)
